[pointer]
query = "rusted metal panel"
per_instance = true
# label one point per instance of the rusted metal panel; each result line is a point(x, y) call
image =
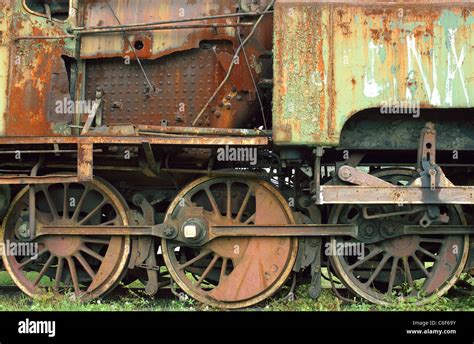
point(301, 100)
point(183, 84)
point(181, 63)
point(98, 13)
point(5, 15)
point(37, 72)
point(52, 60)
point(334, 59)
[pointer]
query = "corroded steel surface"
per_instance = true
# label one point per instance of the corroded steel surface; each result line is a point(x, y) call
point(4, 61)
point(35, 73)
point(334, 59)
point(183, 83)
point(43, 61)
point(185, 66)
point(97, 13)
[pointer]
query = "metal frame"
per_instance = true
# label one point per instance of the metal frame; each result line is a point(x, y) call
point(85, 151)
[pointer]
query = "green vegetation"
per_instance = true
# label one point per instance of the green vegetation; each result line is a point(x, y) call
point(133, 299)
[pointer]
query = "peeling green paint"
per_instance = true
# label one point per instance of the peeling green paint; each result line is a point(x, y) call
point(378, 58)
point(407, 26)
point(449, 20)
point(382, 54)
point(4, 66)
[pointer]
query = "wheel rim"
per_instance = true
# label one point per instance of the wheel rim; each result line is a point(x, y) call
point(83, 266)
point(232, 272)
point(411, 267)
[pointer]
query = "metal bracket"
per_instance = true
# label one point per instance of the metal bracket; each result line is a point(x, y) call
point(32, 198)
point(152, 164)
point(319, 152)
point(147, 209)
point(85, 156)
point(152, 270)
point(315, 287)
point(431, 187)
point(352, 175)
point(92, 115)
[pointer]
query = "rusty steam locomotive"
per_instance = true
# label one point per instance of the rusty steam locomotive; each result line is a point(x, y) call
point(224, 148)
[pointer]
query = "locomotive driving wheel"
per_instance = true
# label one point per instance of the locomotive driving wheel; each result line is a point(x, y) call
point(410, 267)
point(230, 272)
point(85, 267)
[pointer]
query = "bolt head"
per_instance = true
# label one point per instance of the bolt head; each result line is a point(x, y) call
point(193, 230)
point(190, 231)
point(169, 231)
point(345, 173)
point(24, 230)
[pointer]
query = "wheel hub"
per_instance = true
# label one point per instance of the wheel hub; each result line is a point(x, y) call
point(404, 246)
point(194, 230)
point(63, 246)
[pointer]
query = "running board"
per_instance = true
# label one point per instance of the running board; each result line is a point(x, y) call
point(400, 195)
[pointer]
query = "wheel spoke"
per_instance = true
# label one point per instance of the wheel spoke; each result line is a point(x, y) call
point(208, 269)
point(213, 202)
point(377, 250)
point(377, 270)
point(31, 259)
point(93, 212)
point(85, 265)
point(50, 202)
point(73, 272)
point(243, 206)
point(91, 253)
point(428, 253)
point(59, 273)
point(229, 200)
point(194, 260)
point(345, 218)
point(250, 219)
point(432, 240)
point(420, 264)
point(108, 223)
point(79, 204)
point(406, 267)
point(393, 275)
point(223, 269)
point(96, 240)
point(65, 201)
point(43, 270)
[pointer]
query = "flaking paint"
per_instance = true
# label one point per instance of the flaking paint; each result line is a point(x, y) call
point(372, 53)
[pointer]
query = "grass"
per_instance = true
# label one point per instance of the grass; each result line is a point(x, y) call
point(133, 299)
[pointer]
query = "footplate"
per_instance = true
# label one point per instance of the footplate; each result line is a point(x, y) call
point(431, 186)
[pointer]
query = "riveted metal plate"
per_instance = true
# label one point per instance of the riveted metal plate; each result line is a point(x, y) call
point(183, 83)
